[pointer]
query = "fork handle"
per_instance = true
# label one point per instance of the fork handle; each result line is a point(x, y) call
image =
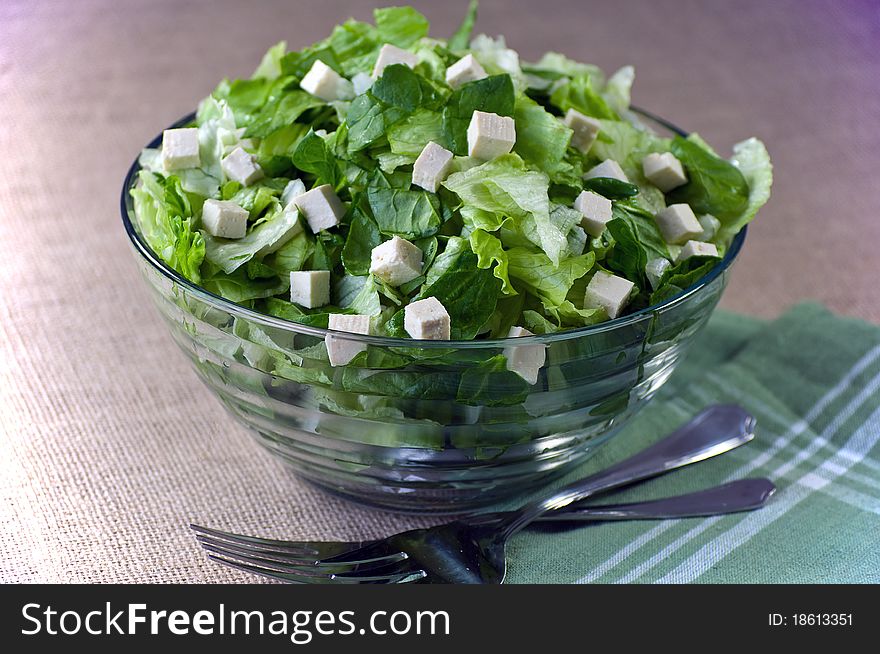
point(716, 429)
point(740, 495)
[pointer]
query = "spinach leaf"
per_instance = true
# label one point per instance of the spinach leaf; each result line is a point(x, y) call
point(401, 87)
point(297, 64)
point(368, 121)
point(313, 156)
point(280, 111)
point(468, 292)
point(714, 185)
point(410, 214)
point(637, 240)
point(363, 236)
point(494, 94)
point(682, 276)
point(490, 383)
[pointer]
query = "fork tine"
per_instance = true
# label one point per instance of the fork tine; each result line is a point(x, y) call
point(351, 555)
point(305, 566)
point(270, 555)
point(315, 549)
point(299, 577)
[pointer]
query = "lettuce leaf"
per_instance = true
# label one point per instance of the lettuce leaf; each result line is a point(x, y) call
point(165, 215)
point(752, 160)
point(400, 26)
point(264, 237)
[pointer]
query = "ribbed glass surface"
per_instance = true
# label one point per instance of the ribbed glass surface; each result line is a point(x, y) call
point(442, 432)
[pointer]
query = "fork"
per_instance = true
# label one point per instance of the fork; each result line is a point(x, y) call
point(473, 551)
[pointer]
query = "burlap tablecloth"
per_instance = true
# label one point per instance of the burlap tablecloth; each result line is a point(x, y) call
point(110, 446)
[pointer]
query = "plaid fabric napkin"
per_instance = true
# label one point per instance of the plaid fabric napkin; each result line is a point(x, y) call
point(812, 379)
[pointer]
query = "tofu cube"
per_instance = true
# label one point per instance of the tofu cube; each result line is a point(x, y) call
point(490, 135)
point(180, 148)
point(696, 249)
point(310, 288)
point(325, 83)
point(321, 206)
point(524, 360)
point(342, 350)
point(585, 129)
point(224, 219)
point(678, 224)
point(427, 320)
point(710, 225)
point(396, 262)
point(467, 69)
point(608, 168)
point(596, 210)
point(431, 167)
point(241, 167)
point(361, 82)
point(391, 54)
point(654, 270)
point(609, 292)
point(664, 170)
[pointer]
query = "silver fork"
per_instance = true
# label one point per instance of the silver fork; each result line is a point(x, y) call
point(473, 551)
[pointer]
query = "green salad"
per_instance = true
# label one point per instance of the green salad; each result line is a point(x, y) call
point(383, 181)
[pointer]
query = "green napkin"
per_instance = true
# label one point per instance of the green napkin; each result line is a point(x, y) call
point(812, 379)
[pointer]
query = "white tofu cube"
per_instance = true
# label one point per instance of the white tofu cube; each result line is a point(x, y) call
point(427, 320)
point(180, 148)
point(585, 129)
point(241, 167)
point(431, 167)
point(696, 249)
point(678, 224)
point(391, 54)
point(467, 69)
point(325, 83)
point(524, 360)
point(342, 350)
point(321, 206)
point(310, 288)
point(664, 170)
point(396, 262)
point(710, 225)
point(361, 82)
point(596, 210)
point(490, 135)
point(654, 270)
point(224, 219)
point(609, 292)
point(608, 168)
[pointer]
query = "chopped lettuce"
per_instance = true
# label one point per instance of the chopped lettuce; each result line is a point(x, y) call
point(502, 243)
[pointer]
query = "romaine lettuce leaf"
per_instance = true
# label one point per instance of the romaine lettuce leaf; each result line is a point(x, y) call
point(165, 217)
point(400, 26)
point(264, 237)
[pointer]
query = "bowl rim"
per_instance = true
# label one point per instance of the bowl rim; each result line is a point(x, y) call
point(228, 306)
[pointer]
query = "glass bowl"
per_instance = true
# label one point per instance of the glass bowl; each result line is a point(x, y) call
point(424, 426)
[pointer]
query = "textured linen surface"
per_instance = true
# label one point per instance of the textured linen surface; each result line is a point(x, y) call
point(110, 446)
